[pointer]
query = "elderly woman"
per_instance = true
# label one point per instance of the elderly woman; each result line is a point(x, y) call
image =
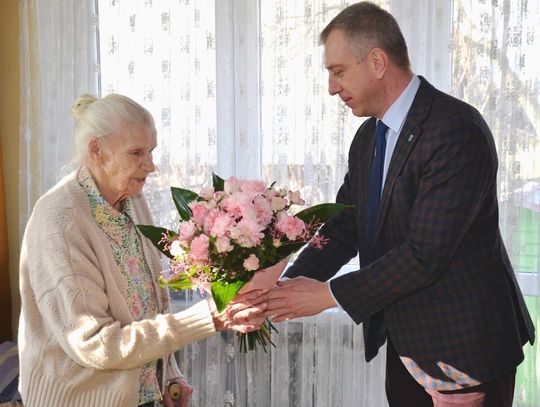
point(95, 328)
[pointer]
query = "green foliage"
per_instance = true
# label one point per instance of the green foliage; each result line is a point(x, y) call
point(182, 198)
point(156, 235)
point(223, 292)
point(321, 212)
point(217, 182)
point(180, 284)
point(226, 272)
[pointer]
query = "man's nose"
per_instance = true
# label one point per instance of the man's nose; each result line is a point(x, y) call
point(333, 86)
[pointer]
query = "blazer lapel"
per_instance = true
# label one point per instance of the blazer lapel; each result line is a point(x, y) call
point(408, 137)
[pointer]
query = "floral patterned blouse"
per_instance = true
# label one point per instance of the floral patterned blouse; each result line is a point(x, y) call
point(141, 291)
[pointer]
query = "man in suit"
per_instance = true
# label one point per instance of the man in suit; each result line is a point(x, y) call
point(435, 280)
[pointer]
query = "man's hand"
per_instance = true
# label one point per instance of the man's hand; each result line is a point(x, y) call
point(177, 393)
point(245, 313)
point(298, 297)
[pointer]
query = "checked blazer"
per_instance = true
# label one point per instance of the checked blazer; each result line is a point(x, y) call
point(442, 286)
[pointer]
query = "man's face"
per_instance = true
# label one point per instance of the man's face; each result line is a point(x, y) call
point(352, 80)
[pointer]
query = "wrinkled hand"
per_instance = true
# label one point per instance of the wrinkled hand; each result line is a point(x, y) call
point(298, 297)
point(185, 394)
point(245, 313)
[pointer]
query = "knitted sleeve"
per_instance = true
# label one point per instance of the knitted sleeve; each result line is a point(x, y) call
point(79, 304)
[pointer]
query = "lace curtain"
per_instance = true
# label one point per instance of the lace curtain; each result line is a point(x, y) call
point(238, 87)
point(59, 61)
point(495, 68)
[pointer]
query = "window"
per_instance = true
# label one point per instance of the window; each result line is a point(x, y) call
point(238, 87)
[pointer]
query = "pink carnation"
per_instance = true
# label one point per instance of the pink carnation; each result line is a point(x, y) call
point(223, 244)
point(211, 217)
point(253, 187)
point(199, 248)
point(236, 203)
point(278, 203)
point(290, 226)
point(200, 211)
point(248, 233)
point(249, 211)
point(251, 263)
point(206, 193)
point(221, 225)
point(231, 185)
point(187, 231)
point(264, 210)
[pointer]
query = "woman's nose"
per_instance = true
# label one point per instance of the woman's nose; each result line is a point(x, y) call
point(148, 163)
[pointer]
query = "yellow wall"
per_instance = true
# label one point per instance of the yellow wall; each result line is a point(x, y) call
point(9, 136)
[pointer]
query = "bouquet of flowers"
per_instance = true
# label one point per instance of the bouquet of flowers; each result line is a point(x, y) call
point(230, 233)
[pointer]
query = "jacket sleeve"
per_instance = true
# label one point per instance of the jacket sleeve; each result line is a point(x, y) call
point(459, 169)
point(340, 247)
point(75, 302)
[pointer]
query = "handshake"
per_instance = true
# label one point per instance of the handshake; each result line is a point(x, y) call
point(287, 299)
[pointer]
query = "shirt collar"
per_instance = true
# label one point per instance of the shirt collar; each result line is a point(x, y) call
point(395, 116)
point(107, 217)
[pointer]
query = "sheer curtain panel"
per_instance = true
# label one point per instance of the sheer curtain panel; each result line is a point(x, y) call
point(238, 87)
point(59, 61)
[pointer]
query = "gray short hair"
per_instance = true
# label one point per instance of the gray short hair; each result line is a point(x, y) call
point(367, 26)
point(95, 118)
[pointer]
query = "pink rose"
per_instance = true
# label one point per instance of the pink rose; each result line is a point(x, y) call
point(199, 248)
point(290, 226)
point(251, 263)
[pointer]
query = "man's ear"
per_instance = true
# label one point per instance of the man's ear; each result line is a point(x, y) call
point(95, 150)
point(379, 62)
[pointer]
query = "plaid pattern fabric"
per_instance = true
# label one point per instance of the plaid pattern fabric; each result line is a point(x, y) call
point(443, 287)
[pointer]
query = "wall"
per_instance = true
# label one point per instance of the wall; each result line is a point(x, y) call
point(9, 139)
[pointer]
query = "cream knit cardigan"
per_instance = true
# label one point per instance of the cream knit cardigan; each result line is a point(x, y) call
point(78, 344)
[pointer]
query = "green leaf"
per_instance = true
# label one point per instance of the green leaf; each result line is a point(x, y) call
point(180, 284)
point(321, 212)
point(224, 292)
point(218, 182)
point(155, 234)
point(181, 198)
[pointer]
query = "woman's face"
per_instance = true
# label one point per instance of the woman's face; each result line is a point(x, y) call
point(125, 160)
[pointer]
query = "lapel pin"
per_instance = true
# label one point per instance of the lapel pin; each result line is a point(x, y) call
point(410, 138)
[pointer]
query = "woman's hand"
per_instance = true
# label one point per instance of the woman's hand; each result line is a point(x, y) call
point(177, 393)
point(245, 313)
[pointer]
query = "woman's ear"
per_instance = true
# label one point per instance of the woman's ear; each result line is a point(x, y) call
point(94, 150)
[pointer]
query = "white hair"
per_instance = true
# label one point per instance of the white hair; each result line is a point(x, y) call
point(96, 118)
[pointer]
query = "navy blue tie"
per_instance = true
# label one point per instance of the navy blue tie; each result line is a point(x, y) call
point(374, 195)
